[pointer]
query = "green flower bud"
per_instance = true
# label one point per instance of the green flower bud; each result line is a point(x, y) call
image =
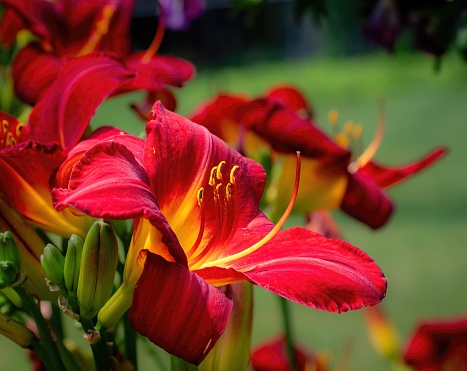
point(53, 264)
point(9, 250)
point(97, 271)
point(8, 273)
point(72, 264)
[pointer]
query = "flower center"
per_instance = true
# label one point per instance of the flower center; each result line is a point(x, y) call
point(11, 132)
point(223, 261)
point(218, 203)
point(351, 138)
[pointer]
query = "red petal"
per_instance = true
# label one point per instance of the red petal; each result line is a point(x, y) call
point(144, 108)
point(307, 268)
point(63, 114)
point(34, 71)
point(217, 113)
point(158, 72)
point(291, 98)
point(366, 202)
point(439, 345)
point(177, 310)
point(108, 182)
point(179, 156)
point(385, 177)
point(287, 132)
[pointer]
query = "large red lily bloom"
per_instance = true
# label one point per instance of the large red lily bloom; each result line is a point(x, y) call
point(328, 180)
point(69, 28)
point(30, 155)
point(194, 202)
point(439, 345)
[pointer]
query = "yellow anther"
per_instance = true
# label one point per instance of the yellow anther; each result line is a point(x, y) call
point(199, 197)
point(357, 131)
point(19, 129)
point(216, 191)
point(10, 141)
point(342, 140)
point(218, 173)
point(348, 127)
point(228, 190)
point(212, 176)
point(154, 150)
point(333, 117)
point(5, 126)
point(232, 174)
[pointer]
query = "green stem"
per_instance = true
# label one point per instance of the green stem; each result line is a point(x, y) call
point(99, 348)
point(178, 364)
point(30, 306)
point(130, 341)
point(284, 304)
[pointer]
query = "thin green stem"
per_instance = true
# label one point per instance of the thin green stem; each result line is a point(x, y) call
point(130, 341)
point(100, 350)
point(285, 312)
point(31, 307)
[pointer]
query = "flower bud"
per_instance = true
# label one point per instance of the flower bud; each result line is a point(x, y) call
point(53, 264)
point(97, 271)
point(10, 260)
point(72, 264)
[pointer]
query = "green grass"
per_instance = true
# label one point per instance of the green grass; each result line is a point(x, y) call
point(423, 249)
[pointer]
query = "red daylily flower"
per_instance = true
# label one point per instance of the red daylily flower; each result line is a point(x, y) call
point(30, 155)
point(194, 202)
point(330, 178)
point(68, 29)
point(440, 345)
point(272, 356)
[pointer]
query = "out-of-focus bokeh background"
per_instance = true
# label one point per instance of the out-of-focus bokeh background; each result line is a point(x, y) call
point(423, 249)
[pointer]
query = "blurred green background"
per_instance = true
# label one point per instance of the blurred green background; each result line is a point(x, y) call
point(423, 249)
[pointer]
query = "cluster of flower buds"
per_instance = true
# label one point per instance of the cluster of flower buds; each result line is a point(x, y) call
point(10, 260)
point(85, 272)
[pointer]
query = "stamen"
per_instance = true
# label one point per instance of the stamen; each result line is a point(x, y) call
point(212, 177)
point(333, 117)
point(102, 27)
point(232, 172)
point(342, 140)
point(272, 233)
point(156, 41)
point(5, 126)
point(19, 129)
point(219, 173)
point(348, 127)
point(199, 197)
point(368, 154)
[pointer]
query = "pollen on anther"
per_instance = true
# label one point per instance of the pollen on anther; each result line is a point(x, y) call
point(232, 174)
point(5, 126)
point(19, 128)
point(154, 150)
point(199, 197)
point(212, 176)
point(218, 172)
point(228, 190)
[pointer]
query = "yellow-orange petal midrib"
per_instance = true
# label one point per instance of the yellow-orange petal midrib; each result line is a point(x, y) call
point(101, 28)
point(321, 187)
point(36, 206)
point(184, 212)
